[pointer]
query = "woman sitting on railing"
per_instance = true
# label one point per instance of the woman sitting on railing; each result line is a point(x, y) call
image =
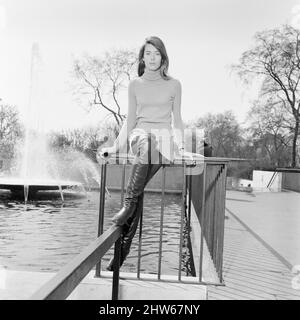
point(153, 97)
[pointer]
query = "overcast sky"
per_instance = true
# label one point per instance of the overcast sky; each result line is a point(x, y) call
point(203, 38)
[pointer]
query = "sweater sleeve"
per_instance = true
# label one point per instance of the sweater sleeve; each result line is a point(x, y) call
point(178, 125)
point(132, 104)
point(130, 121)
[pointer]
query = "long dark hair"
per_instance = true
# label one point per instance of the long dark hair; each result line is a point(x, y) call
point(159, 45)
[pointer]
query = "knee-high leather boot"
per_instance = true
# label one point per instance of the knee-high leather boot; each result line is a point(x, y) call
point(134, 189)
point(130, 228)
point(128, 232)
point(137, 179)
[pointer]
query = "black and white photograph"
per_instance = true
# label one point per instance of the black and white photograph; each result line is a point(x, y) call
point(149, 152)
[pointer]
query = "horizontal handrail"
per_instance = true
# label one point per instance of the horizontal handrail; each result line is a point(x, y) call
point(66, 280)
point(188, 158)
point(291, 170)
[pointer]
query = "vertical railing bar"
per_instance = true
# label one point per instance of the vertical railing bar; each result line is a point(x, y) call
point(182, 219)
point(208, 207)
point(140, 246)
point(221, 216)
point(221, 185)
point(217, 222)
point(222, 221)
point(203, 221)
point(215, 212)
point(206, 213)
point(161, 219)
point(189, 177)
point(123, 182)
point(101, 210)
point(211, 209)
point(117, 259)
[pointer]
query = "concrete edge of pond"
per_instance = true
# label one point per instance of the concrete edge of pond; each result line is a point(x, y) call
point(20, 285)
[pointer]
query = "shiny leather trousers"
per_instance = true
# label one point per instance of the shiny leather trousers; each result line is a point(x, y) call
point(147, 162)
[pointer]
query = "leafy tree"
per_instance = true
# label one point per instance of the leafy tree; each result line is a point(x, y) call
point(10, 130)
point(228, 139)
point(10, 127)
point(86, 140)
point(223, 132)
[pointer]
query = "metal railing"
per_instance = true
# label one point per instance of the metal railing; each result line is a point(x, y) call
point(210, 211)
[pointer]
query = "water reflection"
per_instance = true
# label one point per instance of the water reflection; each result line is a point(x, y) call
point(45, 234)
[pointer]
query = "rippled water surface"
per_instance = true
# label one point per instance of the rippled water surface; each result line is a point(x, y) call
point(45, 234)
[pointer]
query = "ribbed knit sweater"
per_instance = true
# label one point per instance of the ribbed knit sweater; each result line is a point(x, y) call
point(155, 99)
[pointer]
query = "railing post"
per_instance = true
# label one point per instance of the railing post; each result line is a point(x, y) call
point(123, 182)
point(101, 210)
point(224, 177)
point(140, 246)
point(117, 259)
point(163, 186)
point(189, 187)
point(189, 229)
point(183, 208)
point(216, 214)
point(203, 221)
point(220, 217)
point(208, 217)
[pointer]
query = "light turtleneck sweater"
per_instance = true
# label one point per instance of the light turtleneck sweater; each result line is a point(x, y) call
point(154, 100)
point(152, 75)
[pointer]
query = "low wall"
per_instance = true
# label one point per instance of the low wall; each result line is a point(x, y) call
point(173, 178)
point(291, 181)
point(262, 178)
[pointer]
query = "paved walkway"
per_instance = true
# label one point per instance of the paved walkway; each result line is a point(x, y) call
point(261, 245)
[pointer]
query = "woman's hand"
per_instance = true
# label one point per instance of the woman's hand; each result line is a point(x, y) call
point(179, 152)
point(106, 153)
point(182, 154)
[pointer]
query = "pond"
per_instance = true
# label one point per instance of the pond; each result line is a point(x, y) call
point(45, 234)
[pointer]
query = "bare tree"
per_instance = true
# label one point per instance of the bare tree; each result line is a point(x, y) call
point(275, 59)
point(270, 128)
point(100, 79)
